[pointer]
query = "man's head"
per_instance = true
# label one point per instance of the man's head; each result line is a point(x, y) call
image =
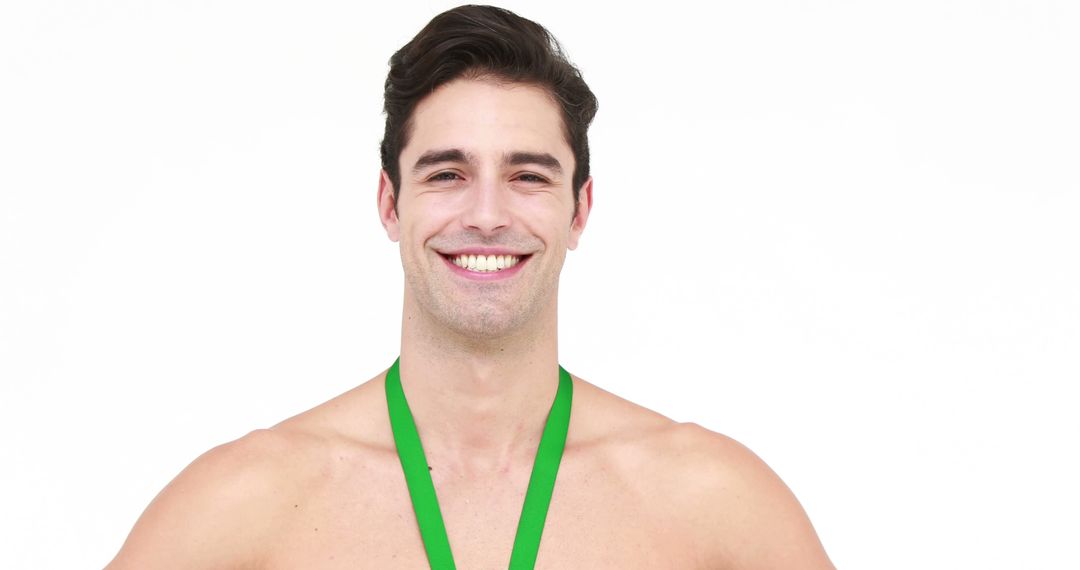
point(484, 41)
point(479, 160)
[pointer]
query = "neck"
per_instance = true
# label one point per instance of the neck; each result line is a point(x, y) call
point(480, 406)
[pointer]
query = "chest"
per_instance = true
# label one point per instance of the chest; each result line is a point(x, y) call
point(598, 518)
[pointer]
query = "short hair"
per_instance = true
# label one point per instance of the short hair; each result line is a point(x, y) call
point(484, 42)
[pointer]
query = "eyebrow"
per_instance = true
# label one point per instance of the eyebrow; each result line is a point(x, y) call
point(433, 157)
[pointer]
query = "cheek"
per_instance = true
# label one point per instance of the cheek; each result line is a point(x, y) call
point(423, 220)
point(412, 245)
point(544, 209)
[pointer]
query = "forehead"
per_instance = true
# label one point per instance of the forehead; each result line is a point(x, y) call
point(487, 118)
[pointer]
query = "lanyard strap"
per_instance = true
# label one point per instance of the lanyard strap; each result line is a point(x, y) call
point(422, 490)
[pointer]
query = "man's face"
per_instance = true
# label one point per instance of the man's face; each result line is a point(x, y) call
point(486, 174)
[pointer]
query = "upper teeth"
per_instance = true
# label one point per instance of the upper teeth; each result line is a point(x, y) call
point(485, 262)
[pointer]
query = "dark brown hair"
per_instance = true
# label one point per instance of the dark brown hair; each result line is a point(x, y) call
point(476, 42)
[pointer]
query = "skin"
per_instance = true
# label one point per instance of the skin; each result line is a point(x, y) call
point(479, 366)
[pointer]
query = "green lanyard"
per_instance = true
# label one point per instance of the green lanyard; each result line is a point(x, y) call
point(422, 491)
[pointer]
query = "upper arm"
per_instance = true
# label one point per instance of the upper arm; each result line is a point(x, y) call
point(752, 519)
point(214, 514)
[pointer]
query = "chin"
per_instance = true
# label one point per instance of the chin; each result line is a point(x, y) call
point(485, 326)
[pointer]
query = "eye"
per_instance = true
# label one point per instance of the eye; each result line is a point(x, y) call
point(532, 178)
point(442, 176)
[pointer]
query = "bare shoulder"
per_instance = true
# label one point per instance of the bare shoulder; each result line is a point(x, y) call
point(739, 497)
point(228, 508)
point(742, 513)
point(219, 511)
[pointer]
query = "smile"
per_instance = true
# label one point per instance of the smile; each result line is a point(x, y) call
point(485, 262)
point(485, 267)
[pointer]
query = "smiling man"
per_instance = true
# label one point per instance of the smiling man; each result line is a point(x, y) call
point(475, 448)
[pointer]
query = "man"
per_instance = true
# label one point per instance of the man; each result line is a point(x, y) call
point(485, 186)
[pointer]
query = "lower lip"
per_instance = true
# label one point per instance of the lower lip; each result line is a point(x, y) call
point(485, 275)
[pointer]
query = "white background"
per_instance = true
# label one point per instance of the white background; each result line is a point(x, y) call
point(844, 233)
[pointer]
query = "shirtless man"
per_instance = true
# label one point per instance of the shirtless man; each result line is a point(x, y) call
point(493, 161)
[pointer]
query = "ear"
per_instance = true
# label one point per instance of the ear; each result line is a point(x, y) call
point(388, 206)
point(584, 206)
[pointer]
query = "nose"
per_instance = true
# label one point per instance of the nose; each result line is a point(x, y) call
point(487, 209)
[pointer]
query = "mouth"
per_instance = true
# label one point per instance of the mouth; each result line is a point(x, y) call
point(485, 267)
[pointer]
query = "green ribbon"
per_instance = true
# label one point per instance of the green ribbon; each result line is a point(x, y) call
point(426, 505)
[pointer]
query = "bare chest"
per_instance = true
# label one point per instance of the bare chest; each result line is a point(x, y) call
point(361, 516)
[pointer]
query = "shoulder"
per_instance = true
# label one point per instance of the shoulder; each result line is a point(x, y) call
point(740, 512)
point(229, 504)
point(222, 507)
point(728, 491)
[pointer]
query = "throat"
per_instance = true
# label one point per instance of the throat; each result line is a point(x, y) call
point(485, 453)
point(478, 468)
